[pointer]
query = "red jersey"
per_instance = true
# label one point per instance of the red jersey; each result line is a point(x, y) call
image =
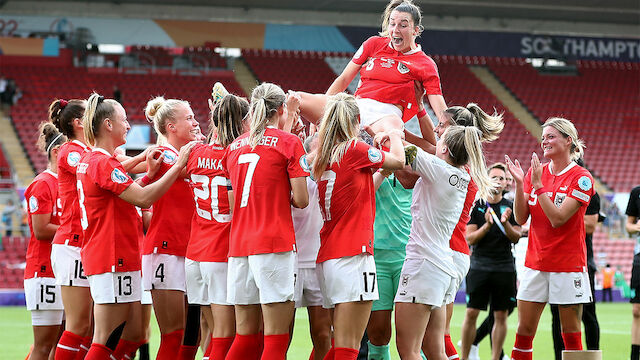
point(559, 249)
point(348, 203)
point(211, 223)
point(389, 75)
point(458, 240)
point(70, 230)
point(42, 198)
point(111, 225)
point(170, 225)
point(262, 221)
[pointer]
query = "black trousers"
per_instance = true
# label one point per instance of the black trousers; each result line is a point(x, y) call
point(589, 319)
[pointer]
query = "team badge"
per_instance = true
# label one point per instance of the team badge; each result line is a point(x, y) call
point(169, 157)
point(73, 158)
point(405, 280)
point(577, 283)
point(559, 199)
point(402, 68)
point(374, 154)
point(117, 176)
point(33, 204)
point(304, 164)
point(585, 183)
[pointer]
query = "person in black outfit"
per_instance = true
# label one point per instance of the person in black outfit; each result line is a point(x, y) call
point(633, 228)
point(491, 278)
point(589, 318)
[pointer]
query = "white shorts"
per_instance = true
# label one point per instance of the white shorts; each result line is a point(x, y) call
point(422, 282)
point(67, 266)
point(145, 296)
point(46, 317)
point(115, 287)
point(163, 272)
point(461, 263)
point(348, 279)
point(373, 110)
point(42, 293)
point(307, 292)
point(261, 279)
point(206, 282)
point(556, 288)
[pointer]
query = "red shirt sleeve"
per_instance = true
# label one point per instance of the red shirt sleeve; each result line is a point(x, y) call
point(298, 165)
point(431, 80)
point(111, 176)
point(365, 156)
point(364, 52)
point(40, 201)
point(581, 188)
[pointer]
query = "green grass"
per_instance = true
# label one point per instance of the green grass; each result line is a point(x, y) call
point(615, 325)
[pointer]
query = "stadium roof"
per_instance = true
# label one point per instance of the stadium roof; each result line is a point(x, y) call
point(597, 11)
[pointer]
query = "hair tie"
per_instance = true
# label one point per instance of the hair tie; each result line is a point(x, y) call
point(53, 143)
point(100, 99)
point(63, 103)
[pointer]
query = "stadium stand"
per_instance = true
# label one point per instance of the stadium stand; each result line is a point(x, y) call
point(42, 84)
point(11, 258)
point(6, 182)
point(605, 110)
point(617, 252)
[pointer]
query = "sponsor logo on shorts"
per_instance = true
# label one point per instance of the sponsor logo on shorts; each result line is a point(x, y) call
point(117, 176)
point(169, 157)
point(585, 183)
point(33, 204)
point(73, 158)
point(402, 68)
point(375, 156)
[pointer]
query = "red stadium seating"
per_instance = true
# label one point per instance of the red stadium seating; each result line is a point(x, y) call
point(13, 255)
point(602, 101)
point(617, 252)
point(41, 85)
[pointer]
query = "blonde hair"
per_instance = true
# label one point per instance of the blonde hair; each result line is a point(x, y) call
point(227, 117)
point(338, 131)
point(48, 138)
point(266, 99)
point(472, 115)
point(406, 6)
point(98, 108)
point(465, 148)
point(567, 129)
point(159, 111)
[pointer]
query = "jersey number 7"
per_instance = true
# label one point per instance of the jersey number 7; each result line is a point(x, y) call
point(252, 160)
point(330, 177)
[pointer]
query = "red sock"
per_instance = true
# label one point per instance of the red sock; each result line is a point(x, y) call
point(207, 352)
point(83, 349)
point(261, 343)
point(275, 347)
point(572, 340)
point(68, 346)
point(245, 347)
point(132, 354)
point(220, 347)
point(523, 348)
point(331, 354)
point(449, 349)
point(187, 352)
point(345, 354)
point(125, 347)
point(313, 354)
point(98, 352)
point(170, 345)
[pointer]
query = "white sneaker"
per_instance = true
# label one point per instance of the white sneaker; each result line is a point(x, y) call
point(474, 353)
point(506, 357)
point(218, 92)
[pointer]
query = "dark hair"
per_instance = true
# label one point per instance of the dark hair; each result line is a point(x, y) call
point(498, 165)
point(228, 116)
point(98, 109)
point(48, 138)
point(472, 115)
point(62, 113)
point(406, 6)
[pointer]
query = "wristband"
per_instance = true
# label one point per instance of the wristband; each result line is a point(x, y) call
point(540, 191)
point(145, 180)
point(422, 113)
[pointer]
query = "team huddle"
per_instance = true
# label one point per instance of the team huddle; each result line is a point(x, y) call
point(264, 215)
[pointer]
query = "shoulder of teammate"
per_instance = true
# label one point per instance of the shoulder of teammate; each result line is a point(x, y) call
point(196, 152)
point(362, 155)
point(69, 156)
point(293, 150)
point(107, 172)
point(38, 196)
point(633, 206)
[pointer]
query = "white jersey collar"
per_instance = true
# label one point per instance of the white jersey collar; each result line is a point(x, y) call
point(410, 52)
point(78, 142)
point(569, 167)
point(99, 149)
point(48, 171)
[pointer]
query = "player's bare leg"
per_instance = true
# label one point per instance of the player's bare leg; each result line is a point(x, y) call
point(78, 304)
point(433, 340)
point(411, 324)
point(320, 328)
point(312, 106)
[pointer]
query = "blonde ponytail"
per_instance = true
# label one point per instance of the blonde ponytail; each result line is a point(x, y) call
point(159, 111)
point(266, 99)
point(490, 126)
point(338, 131)
point(98, 109)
